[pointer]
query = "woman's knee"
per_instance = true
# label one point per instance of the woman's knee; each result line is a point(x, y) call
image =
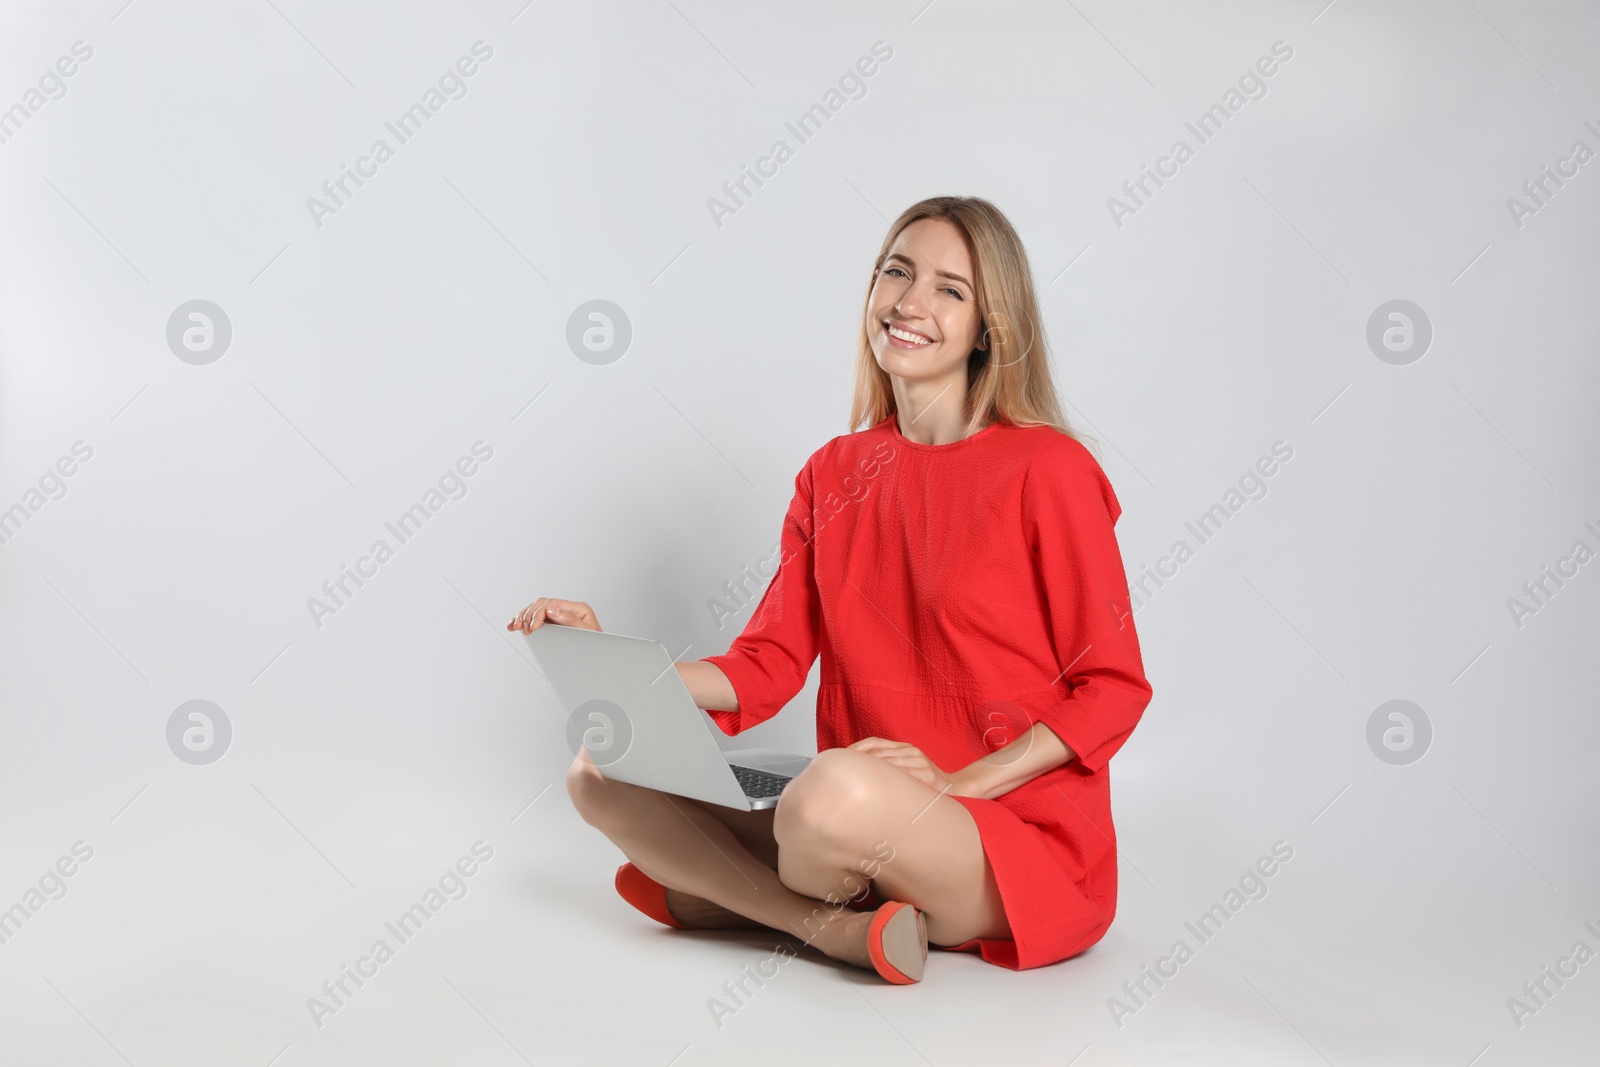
point(593, 795)
point(826, 800)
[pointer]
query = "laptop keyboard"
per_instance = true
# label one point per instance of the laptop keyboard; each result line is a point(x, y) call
point(759, 783)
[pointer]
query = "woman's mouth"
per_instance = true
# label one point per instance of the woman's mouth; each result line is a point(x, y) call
point(902, 338)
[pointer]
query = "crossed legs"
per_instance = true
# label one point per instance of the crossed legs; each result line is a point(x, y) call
point(849, 817)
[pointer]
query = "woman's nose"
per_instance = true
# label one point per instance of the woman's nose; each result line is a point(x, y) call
point(911, 303)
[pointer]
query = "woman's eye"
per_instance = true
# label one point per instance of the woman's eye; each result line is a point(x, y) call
point(900, 273)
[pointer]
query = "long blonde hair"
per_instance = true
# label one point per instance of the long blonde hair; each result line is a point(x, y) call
point(1008, 383)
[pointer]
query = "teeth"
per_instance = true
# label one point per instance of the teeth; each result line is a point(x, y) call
point(913, 338)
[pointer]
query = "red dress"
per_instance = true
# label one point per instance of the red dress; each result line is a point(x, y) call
point(957, 594)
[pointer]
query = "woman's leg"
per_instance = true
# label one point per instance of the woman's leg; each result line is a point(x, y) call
point(833, 829)
point(849, 810)
point(706, 851)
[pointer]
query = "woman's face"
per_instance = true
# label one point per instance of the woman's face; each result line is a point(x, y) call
point(924, 295)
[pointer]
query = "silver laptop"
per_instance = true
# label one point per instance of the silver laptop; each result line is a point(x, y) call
point(630, 710)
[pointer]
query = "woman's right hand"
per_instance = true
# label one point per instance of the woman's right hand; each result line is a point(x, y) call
point(573, 613)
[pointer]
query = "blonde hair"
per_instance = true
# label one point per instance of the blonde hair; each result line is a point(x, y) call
point(1008, 383)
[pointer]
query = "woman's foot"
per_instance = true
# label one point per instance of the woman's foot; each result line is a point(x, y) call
point(844, 937)
point(902, 940)
point(702, 914)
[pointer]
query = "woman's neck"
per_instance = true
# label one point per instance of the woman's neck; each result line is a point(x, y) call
point(931, 413)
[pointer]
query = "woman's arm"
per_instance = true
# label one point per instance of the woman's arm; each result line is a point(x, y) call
point(708, 686)
point(1035, 752)
point(1068, 512)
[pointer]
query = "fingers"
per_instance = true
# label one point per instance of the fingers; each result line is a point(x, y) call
point(883, 747)
point(530, 616)
point(921, 770)
point(519, 621)
point(546, 609)
point(903, 756)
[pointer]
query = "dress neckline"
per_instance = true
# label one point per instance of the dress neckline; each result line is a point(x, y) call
point(901, 439)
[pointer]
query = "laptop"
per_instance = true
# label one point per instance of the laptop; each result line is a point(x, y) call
point(628, 707)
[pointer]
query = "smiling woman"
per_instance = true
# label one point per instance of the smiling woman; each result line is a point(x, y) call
point(980, 308)
point(979, 661)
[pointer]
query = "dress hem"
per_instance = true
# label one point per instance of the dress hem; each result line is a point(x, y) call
point(1047, 935)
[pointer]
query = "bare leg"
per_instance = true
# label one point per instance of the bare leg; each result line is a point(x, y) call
point(921, 847)
point(847, 818)
point(681, 844)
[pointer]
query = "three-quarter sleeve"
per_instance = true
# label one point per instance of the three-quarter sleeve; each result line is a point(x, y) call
point(1069, 511)
point(768, 663)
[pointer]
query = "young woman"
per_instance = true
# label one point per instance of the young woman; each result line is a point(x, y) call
point(955, 567)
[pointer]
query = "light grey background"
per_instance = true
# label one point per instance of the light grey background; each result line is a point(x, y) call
point(368, 354)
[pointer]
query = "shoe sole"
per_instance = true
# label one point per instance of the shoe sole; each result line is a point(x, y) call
point(897, 941)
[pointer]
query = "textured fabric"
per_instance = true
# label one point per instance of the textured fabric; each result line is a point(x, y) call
point(957, 594)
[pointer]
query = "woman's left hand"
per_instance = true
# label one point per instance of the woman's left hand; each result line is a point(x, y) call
point(909, 758)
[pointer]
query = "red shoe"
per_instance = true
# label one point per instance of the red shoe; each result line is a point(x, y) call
point(897, 941)
point(646, 894)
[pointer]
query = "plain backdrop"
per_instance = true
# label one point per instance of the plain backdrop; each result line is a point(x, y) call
point(374, 345)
